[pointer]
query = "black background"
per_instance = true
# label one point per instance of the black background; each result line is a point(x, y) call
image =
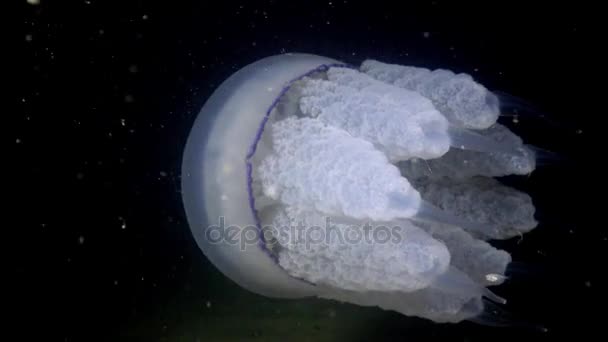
point(109, 94)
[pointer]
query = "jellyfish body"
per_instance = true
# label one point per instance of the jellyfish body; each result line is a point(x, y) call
point(306, 177)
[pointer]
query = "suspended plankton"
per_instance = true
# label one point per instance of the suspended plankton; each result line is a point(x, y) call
point(303, 176)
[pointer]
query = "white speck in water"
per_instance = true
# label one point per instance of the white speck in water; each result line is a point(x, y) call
point(129, 98)
point(123, 223)
point(80, 239)
point(588, 283)
point(79, 175)
point(33, 2)
point(122, 122)
point(133, 69)
point(426, 34)
point(254, 43)
point(115, 282)
point(493, 277)
point(579, 131)
point(28, 37)
point(144, 17)
point(208, 304)
point(18, 141)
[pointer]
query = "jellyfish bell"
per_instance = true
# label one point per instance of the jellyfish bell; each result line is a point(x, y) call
point(303, 141)
point(215, 178)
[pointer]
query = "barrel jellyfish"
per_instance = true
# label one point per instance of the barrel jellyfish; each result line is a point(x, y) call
point(376, 185)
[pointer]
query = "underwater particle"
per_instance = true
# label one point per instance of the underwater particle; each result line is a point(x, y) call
point(33, 2)
point(81, 240)
point(129, 98)
point(494, 278)
point(296, 148)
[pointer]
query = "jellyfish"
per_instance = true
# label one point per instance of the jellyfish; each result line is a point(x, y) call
point(375, 185)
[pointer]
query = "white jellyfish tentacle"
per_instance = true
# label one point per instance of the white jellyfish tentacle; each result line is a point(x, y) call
point(463, 163)
point(400, 123)
point(406, 265)
point(320, 167)
point(493, 210)
point(463, 101)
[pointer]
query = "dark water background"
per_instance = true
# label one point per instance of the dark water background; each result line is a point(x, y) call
point(109, 94)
